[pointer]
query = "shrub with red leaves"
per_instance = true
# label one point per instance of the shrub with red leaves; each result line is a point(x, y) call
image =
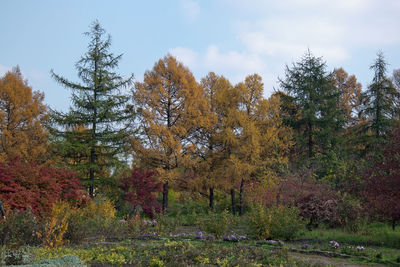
point(25, 185)
point(318, 202)
point(382, 182)
point(140, 189)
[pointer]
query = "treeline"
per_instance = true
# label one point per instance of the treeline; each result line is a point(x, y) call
point(319, 137)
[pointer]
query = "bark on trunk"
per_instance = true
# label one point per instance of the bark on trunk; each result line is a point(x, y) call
point(310, 141)
point(233, 201)
point(212, 198)
point(241, 200)
point(165, 197)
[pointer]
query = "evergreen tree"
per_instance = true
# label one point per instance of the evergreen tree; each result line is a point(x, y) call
point(98, 111)
point(312, 91)
point(380, 101)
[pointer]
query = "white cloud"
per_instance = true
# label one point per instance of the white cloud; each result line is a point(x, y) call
point(292, 48)
point(188, 56)
point(3, 69)
point(232, 61)
point(279, 32)
point(190, 9)
point(233, 65)
point(332, 29)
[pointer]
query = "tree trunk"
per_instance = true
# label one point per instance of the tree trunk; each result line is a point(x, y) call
point(310, 142)
point(93, 141)
point(212, 198)
point(241, 199)
point(165, 197)
point(233, 201)
point(91, 180)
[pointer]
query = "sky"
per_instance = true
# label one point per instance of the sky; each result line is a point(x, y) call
point(233, 38)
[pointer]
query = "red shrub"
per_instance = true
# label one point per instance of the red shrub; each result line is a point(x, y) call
point(140, 189)
point(382, 182)
point(24, 185)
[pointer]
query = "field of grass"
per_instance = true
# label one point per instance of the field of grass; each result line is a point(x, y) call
point(376, 234)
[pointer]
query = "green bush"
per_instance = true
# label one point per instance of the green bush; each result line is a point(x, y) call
point(96, 219)
point(259, 222)
point(216, 223)
point(352, 216)
point(166, 224)
point(279, 222)
point(286, 222)
point(133, 225)
point(20, 228)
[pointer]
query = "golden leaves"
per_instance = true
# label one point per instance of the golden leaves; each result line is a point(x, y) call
point(22, 114)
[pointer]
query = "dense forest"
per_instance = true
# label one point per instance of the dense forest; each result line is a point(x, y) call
point(322, 149)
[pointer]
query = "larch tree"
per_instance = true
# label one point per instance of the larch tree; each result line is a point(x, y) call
point(350, 104)
point(379, 108)
point(251, 94)
point(350, 96)
point(171, 105)
point(22, 119)
point(313, 92)
point(99, 109)
point(264, 141)
point(228, 165)
point(242, 145)
point(211, 85)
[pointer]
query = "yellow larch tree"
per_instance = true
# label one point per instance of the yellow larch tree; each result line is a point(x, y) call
point(171, 105)
point(248, 139)
point(22, 118)
point(350, 99)
point(350, 104)
point(209, 141)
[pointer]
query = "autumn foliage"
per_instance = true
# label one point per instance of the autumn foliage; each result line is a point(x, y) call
point(25, 185)
point(140, 188)
point(304, 147)
point(383, 182)
point(22, 117)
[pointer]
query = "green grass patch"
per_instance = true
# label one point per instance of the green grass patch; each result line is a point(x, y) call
point(377, 234)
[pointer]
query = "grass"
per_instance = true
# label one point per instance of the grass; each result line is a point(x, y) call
point(381, 244)
point(376, 234)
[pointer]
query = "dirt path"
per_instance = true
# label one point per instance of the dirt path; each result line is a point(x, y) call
point(327, 261)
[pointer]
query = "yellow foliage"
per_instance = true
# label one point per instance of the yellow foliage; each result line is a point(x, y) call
point(56, 226)
point(22, 115)
point(172, 107)
point(260, 221)
point(96, 207)
point(249, 138)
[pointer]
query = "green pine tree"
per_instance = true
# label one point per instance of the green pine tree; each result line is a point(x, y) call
point(92, 133)
point(311, 90)
point(380, 101)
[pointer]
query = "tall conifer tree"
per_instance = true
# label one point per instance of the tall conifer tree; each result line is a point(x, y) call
point(379, 100)
point(98, 111)
point(313, 91)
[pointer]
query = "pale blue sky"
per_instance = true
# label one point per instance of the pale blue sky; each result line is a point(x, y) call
point(234, 38)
